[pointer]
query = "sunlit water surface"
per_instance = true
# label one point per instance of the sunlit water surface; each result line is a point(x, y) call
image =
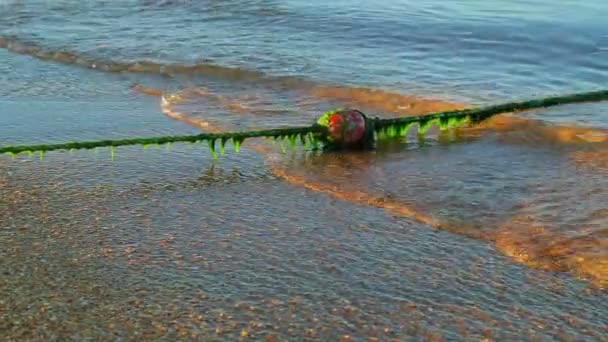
point(499, 232)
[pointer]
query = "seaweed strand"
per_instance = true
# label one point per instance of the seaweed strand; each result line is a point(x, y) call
point(476, 115)
point(237, 138)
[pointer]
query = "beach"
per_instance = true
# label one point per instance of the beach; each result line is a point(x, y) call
point(496, 233)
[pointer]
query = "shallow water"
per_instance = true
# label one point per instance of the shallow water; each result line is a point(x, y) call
point(496, 232)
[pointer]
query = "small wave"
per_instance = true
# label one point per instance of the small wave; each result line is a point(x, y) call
point(168, 103)
point(372, 99)
point(522, 238)
point(377, 101)
point(511, 128)
point(143, 67)
point(515, 129)
point(380, 100)
point(394, 207)
point(538, 247)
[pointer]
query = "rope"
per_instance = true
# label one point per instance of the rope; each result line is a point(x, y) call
point(314, 134)
point(392, 127)
point(237, 139)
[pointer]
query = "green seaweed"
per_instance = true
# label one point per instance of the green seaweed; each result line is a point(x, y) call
point(391, 131)
point(237, 142)
point(314, 142)
point(303, 140)
point(281, 140)
point(424, 127)
point(405, 128)
point(211, 143)
point(455, 122)
point(293, 142)
point(444, 123)
point(381, 133)
point(223, 146)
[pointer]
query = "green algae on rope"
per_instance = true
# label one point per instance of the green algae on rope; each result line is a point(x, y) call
point(237, 140)
point(456, 118)
point(342, 128)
